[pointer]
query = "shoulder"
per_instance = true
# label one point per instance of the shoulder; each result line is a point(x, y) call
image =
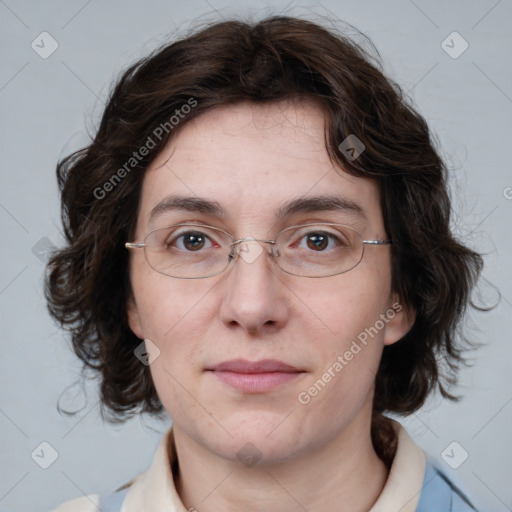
point(83, 504)
point(440, 494)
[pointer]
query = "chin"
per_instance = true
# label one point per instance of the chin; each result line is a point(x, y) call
point(261, 436)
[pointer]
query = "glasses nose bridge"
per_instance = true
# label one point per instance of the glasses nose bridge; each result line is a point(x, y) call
point(237, 247)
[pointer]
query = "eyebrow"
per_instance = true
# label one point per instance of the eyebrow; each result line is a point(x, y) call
point(311, 204)
point(304, 204)
point(188, 204)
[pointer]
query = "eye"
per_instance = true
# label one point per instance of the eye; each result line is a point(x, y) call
point(191, 241)
point(320, 241)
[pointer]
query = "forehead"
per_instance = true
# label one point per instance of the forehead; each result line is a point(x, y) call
point(253, 159)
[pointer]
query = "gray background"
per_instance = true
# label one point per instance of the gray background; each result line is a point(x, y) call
point(48, 105)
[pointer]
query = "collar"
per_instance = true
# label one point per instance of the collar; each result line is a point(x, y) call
point(405, 480)
point(154, 490)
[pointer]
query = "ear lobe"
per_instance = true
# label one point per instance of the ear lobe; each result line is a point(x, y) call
point(400, 323)
point(132, 314)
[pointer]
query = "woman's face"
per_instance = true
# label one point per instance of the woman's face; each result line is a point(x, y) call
point(251, 160)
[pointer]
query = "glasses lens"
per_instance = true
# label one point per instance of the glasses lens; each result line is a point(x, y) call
point(319, 250)
point(188, 250)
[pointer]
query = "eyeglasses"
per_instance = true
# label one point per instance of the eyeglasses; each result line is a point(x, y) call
point(195, 251)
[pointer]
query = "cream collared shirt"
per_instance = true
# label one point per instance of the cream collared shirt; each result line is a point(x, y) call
point(154, 490)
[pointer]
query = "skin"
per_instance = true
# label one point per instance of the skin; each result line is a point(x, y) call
point(251, 159)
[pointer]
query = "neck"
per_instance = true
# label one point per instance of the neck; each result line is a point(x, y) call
point(346, 470)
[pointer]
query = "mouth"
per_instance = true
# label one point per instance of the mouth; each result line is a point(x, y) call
point(255, 377)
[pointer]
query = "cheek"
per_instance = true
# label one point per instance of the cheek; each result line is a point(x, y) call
point(173, 315)
point(164, 303)
point(175, 319)
point(347, 354)
point(350, 348)
point(351, 303)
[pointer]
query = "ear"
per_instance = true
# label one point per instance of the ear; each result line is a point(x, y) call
point(133, 316)
point(401, 318)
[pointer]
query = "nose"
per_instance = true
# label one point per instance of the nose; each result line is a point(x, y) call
point(254, 297)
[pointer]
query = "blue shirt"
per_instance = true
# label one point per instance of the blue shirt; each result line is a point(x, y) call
point(440, 495)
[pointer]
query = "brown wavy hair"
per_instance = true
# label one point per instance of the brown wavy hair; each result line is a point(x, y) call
point(278, 58)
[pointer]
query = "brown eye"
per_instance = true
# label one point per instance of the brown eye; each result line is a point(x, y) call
point(191, 241)
point(317, 241)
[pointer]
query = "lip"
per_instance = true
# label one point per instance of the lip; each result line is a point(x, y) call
point(255, 376)
point(263, 366)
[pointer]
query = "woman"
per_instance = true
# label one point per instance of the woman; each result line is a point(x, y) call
point(259, 244)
